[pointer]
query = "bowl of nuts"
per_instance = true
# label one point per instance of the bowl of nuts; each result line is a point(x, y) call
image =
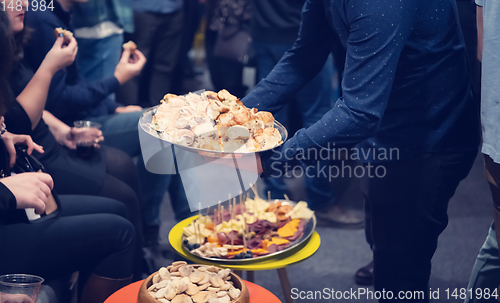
point(192, 283)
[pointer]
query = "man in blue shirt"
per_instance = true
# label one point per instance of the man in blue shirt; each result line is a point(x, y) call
point(407, 104)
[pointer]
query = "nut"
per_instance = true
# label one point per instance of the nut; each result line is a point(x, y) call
point(164, 273)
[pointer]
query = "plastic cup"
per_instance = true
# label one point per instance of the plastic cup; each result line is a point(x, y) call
point(85, 145)
point(19, 288)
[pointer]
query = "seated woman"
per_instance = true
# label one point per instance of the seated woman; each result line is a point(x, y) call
point(109, 173)
point(89, 235)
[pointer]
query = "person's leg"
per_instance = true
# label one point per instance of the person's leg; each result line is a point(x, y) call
point(115, 189)
point(97, 58)
point(313, 101)
point(409, 212)
point(485, 275)
point(178, 199)
point(121, 166)
point(120, 131)
point(492, 171)
point(135, 91)
point(266, 57)
point(166, 47)
point(99, 243)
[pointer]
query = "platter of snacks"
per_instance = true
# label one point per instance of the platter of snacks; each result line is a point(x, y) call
point(250, 230)
point(214, 122)
point(191, 283)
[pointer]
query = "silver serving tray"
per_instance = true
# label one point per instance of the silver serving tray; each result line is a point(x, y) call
point(147, 118)
point(308, 231)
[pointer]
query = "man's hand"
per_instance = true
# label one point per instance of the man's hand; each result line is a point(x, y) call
point(74, 135)
point(130, 65)
point(128, 109)
point(11, 140)
point(30, 189)
point(60, 55)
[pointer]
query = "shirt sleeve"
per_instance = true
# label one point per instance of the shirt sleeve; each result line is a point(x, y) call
point(480, 2)
point(313, 46)
point(66, 99)
point(68, 92)
point(7, 199)
point(377, 35)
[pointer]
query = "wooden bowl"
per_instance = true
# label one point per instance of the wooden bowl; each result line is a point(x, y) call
point(145, 297)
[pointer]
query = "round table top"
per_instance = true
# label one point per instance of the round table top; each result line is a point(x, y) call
point(129, 293)
point(299, 254)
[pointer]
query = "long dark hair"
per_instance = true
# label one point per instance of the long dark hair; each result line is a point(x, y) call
point(6, 58)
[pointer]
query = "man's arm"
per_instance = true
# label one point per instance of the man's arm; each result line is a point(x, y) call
point(371, 62)
point(480, 30)
point(68, 93)
point(299, 65)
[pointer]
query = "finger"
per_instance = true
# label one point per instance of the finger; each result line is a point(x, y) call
point(142, 58)
point(44, 188)
point(46, 178)
point(31, 145)
point(59, 42)
point(39, 205)
point(125, 56)
point(12, 153)
point(72, 44)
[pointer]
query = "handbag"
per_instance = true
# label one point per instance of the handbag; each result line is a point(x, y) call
point(27, 163)
point(233, 43)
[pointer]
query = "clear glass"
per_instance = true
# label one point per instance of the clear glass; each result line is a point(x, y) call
point(86, 123)
point(19, 288)
point(85, 140)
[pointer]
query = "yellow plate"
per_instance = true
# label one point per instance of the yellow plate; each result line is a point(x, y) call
point(299, 254)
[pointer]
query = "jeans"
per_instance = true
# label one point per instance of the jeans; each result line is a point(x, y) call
point(313, 101)
point(406, 211)
point(485, 274)
point(120, 131)
point(97, 58)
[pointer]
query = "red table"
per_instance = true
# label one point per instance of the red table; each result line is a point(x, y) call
point(129, 294)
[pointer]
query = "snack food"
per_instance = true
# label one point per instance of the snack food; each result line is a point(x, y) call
point(65, 33)
point(215, 121)
point(181, 283)
point(131, 46)
point(251, 229)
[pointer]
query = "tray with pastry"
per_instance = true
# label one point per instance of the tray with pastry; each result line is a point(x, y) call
point(214, 122)
point(249, 230)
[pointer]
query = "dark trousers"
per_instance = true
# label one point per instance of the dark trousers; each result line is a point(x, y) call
point(158, 37)
point(224, 73)
point(91, 235)
point(406, 211)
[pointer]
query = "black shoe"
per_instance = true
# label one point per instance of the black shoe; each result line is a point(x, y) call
point(364, 275)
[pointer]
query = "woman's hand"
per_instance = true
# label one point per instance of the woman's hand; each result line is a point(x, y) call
point(130, 65)
point(11, 140)
point(70, 136)
point(30, 189)
point(60, 55)
point(128, 109)
point(15, 298)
